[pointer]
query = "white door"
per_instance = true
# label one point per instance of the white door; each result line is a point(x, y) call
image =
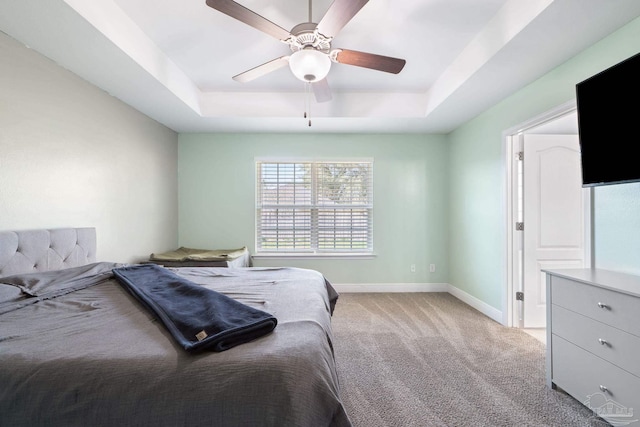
point(553, 214)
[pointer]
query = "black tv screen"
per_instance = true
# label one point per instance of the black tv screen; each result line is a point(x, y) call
point(608, 108)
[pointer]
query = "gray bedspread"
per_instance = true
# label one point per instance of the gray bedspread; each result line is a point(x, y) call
point(95, 357)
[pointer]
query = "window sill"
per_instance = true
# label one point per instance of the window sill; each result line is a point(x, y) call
point(284, 255)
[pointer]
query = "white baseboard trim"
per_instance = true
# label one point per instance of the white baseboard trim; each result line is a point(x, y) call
point(479, 305)
point(463, 296)
point(390, 287)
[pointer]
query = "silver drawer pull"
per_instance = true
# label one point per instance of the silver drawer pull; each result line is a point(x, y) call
point(603, 342)
point(602, 305)
point(603, 389)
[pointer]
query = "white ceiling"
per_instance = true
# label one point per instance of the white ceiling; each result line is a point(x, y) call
point(173, 59)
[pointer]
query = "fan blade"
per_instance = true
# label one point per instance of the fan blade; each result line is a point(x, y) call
point(261, 70)
point(321, 90)
point(241, 13)
point(370, 60)
point(339, 13)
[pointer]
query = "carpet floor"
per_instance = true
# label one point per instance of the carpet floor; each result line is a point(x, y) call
point(428, 359)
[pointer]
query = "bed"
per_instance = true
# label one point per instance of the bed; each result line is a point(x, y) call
point(78, 349)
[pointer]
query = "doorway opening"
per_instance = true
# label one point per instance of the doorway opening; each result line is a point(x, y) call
point(561, 120)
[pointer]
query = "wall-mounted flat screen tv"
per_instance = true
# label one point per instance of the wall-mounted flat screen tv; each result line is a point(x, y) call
point(608, 108)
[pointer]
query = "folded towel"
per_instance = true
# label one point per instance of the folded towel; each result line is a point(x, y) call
point(198, 318)
point(190, 254)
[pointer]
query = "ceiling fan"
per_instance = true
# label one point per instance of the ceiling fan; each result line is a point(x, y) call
point(311, 45)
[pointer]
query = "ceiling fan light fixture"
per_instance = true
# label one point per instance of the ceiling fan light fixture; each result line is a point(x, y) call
point(309, 65)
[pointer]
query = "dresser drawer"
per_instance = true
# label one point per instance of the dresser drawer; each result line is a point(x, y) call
point(581, 374)
point(618, 347)
point(613, 308)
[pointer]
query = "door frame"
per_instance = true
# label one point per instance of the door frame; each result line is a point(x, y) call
point(511, 137)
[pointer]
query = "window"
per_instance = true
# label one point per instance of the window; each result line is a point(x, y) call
point(314, 207)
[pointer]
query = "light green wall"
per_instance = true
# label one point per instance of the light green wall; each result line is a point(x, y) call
point(617, 227)
point(477, 240)
point(217, 199)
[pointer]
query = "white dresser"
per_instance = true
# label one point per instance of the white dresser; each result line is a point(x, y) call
point(593, 340)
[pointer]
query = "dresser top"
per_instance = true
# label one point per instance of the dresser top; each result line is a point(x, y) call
point(613, 280)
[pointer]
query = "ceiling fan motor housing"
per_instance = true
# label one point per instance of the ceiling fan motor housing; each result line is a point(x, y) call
point(305, 35)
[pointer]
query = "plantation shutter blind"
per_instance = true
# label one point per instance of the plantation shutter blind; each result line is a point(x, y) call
point(314, 207)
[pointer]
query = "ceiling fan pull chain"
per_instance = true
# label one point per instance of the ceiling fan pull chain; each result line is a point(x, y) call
point(305, 101)
point(309, 101)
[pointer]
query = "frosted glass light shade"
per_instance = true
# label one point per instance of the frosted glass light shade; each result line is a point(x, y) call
point(309, 65)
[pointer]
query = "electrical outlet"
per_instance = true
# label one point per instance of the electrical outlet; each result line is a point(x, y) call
point(413, 268)
point(432, 268)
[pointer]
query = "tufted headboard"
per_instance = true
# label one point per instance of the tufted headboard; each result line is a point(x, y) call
point(31, 251)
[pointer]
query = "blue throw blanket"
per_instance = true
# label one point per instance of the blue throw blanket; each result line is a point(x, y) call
point(197, 317)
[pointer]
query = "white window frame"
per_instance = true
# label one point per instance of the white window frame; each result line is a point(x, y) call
point(315, 207)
